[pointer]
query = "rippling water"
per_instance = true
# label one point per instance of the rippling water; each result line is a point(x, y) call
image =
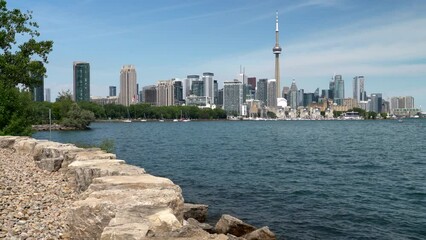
point(303, 179)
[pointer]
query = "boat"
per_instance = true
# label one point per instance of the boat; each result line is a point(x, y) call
point(144, 118)
point(127, 120)
point(175, 120)
point(161, 119)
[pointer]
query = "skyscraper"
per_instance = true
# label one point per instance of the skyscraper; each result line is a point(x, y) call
point(208, 85)
point(178, 92)
point(216, 91)
point(197, 87)
point(150, 94)
point(47, 92)
point(165, 93)
point(277, 51)
point(376, 102)
point(233, 97)
point(128, 90)
point(262, 90)
point(292, 95)
point(81, 83)
point(358, 88)
point(112, 91)
point(272, 93)
point(339, 89)
point(252, 81)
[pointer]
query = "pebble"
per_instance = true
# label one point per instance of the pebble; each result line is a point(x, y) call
point(33, 202)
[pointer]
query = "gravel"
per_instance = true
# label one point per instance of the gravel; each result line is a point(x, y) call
point(33, 202)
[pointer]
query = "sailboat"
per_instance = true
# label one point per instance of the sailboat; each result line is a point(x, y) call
point(128, 117)
point(144, 118)
point(161, 119)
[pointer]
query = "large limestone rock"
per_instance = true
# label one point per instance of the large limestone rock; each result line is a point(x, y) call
point(196, 211)
point(114, 205)
point(260, 234)
point(233, 225)
point(81, 173)
point(7, 141)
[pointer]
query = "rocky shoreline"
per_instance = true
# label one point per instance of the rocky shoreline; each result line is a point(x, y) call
point(50, 190)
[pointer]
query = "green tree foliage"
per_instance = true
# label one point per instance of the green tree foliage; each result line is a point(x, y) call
point(21, 58)
point(77, 117)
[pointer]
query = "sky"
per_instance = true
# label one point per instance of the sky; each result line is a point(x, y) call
point(383, 40)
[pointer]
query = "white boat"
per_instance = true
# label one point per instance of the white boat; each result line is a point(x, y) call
point(175, 120)
point(127, 120)
point(143, 120)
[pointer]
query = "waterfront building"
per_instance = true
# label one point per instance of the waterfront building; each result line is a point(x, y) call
point(376, 102)
point(253, 108)
point(81, 81)
point(300, 94)
point(112, 91)
point(272, 93)
point(285, 92)
point(47, 92)
point(188, 84)
point(339, 89)
point(128, 86)
point(277, 51)
point(220, 97)
point(104, 100)
point(292, 95)
point(233, 97)
point(199, 101)
point(197, 88)
point(351, 103)
point(208, 85)
point(401, 102)
point(262, 90)
point(165, 93)
point(216, 91)
point(358, 89)
point(178, 92)
point(150, 94)
point(308, 98)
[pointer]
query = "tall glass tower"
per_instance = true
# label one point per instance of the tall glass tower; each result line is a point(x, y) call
point(81, 86)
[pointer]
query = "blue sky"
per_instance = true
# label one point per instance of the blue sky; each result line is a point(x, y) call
point(383, 40)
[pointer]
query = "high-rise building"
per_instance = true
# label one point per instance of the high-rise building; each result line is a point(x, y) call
point(208, 85)
point(216, 91)
point(47, 92)
point(300, 94)
point(188, 84)
point(285, 92)
point(401, 102)
point(339, 90)
point(277, 51)
point(262, 90)
point(81, 86)
point(150, 94)
point(233, 97)
point(220, 97)
point(165, 93)
point(197, 88)
point(128, 89)
point(292, 95)
point(358, 88)
point(252, 82)
point(272, 93)
point(308, 98)
point(112, 91)
point(178, 92)
point(376, 102)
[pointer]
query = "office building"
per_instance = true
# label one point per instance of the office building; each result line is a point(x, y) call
point(208, 85)
point(262, 91)
point(251, 81)
point(233, 97)
point(150, 94)
point(188, 84)
point(128, 86)
point(81, 83)
point(220, 97)
point(178, 92)
point(376, 102)
point(165, 93)
point(272, 93)
point(216, 91)
point(112, 91)
point(292, 95)
point(300, 94)
point(47, 92)
point(358, 89)
point(197, 88)
point(339, 90)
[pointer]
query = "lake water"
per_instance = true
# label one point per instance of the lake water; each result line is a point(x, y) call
point(303, 179)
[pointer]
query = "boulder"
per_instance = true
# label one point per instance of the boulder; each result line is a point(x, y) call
point(115, 204)
point(206, 227)
point(81, 173)
point(196, 211)
point(233, 225)
point(50, 164)
point(7, 141)
point(260, 234)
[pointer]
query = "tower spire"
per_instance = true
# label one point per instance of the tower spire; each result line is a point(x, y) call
point(277, 51)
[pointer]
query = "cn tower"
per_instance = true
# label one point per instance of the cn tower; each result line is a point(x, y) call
point(277, 51)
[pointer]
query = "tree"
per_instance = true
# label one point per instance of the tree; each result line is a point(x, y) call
point(78, 118)
point(21, 58)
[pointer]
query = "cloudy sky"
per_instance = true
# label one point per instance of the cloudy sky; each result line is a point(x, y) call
point(383, 40)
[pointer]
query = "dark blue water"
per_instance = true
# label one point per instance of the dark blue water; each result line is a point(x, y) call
point(303, 179)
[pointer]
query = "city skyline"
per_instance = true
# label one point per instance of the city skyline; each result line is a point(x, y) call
point(382, 41)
